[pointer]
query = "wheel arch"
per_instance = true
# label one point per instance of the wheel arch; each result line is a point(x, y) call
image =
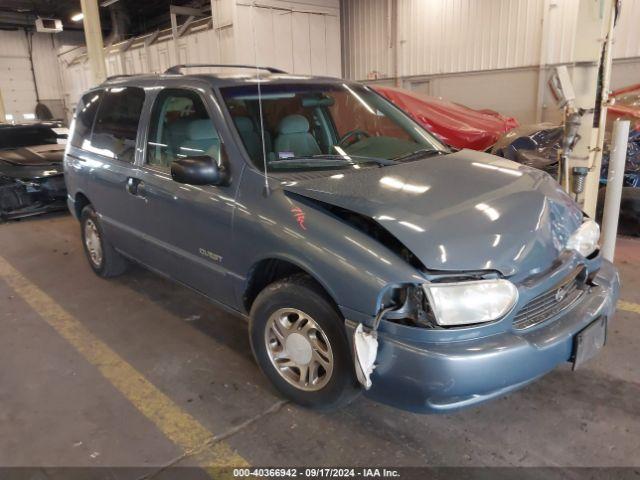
point(273, 268)
point(80, 201)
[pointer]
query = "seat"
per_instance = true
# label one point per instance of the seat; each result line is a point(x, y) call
point(195, 138)
point(250, 137)
point(294, 138)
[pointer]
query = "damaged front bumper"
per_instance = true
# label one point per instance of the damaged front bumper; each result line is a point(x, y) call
point(438, 371)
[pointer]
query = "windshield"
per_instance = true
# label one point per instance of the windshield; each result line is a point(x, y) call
point(333, 126)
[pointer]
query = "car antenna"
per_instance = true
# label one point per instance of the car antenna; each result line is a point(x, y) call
point(264, 151)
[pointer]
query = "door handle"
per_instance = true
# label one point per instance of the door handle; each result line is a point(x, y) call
point(135, 186)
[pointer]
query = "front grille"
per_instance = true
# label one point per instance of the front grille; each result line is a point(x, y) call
point(552, 302)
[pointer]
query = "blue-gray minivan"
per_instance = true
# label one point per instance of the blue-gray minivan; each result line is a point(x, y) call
point(364, 253)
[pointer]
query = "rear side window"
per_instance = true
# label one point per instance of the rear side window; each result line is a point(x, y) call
point(116, 125)
point(85, 114)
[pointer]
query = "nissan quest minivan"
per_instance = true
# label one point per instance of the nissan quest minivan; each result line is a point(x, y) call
point(364, 253)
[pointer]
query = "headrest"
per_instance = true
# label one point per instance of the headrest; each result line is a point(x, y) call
point(178, 104)
point(293, 124)
point(244, 124)
point(194, 129)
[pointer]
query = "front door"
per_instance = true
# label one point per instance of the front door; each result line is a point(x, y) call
point(104, 146)
point(188, 227)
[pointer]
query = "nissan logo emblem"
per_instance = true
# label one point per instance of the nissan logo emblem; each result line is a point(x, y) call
point(560, 294)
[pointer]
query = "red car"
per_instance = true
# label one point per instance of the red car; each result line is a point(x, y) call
point(456, 125)
point(625, 104)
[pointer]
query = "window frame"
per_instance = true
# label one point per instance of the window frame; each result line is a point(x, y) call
point(141, 119)
point(70, 139)
point(144, 164)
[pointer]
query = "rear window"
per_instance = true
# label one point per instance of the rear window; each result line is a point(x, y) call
point(116, 124)
point(85, 114)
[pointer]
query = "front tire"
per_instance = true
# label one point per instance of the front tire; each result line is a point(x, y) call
point(104, 260)
point(299, 341)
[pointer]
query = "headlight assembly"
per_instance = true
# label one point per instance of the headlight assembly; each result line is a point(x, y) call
point(585, 239)
point(464, 303)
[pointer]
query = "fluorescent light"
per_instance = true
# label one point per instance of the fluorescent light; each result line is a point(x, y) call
point(77, 17)
point(8, 116)
point(29, 116)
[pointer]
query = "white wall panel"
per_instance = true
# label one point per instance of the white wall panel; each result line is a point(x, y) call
point(305, 42)
point(317, 44)
point(301, 43)
point(626, 36)
point(365, 39)
point(448, 36)
point(282, 37)
point(45, 65)
point(16, 78)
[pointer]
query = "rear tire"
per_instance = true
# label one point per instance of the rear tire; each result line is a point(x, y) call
point(104, 260)
point(299, 341)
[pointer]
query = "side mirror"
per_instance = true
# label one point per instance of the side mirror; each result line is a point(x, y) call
point(202, 170)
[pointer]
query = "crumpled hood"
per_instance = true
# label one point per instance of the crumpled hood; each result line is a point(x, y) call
point(36, 161)
point(460, 212)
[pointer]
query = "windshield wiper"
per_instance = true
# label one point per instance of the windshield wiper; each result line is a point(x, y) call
point(422, 153)
point(351, 160)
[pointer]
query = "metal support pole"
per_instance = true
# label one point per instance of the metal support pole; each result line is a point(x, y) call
point(174, 33)
point(593, 179)
point(3, 112)
point(617, 160)
point(93, 38)
point(593, 26)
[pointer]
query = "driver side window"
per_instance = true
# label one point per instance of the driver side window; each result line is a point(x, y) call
point(180, 127)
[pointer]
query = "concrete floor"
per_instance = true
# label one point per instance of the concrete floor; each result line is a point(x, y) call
point(56, 409)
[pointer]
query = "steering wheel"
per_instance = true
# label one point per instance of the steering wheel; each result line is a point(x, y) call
point(356, 134)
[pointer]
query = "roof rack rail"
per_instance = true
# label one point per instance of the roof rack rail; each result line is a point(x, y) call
point(113, 77)
point(175, 70)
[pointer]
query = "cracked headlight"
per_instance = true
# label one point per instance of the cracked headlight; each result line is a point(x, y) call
point(585, 239)
point(465, 303)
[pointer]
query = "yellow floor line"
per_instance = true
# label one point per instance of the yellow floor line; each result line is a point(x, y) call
point(628, 306)
point(177, 425)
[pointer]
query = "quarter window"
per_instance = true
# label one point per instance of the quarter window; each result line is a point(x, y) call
point(116, 125)
point(85, 114)
point(180, 127)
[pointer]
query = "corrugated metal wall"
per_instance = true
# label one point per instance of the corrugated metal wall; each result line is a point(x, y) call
point(627, 33)
point(198, 46)
point(449, 36)
point(295, 41)
point(299, 37)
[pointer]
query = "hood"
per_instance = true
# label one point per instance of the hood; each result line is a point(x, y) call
point(460, 212)
point(32, 162)
point(457, 125)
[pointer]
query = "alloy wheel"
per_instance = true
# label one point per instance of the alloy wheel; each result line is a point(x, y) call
point(92, 242)
point(299, 349)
